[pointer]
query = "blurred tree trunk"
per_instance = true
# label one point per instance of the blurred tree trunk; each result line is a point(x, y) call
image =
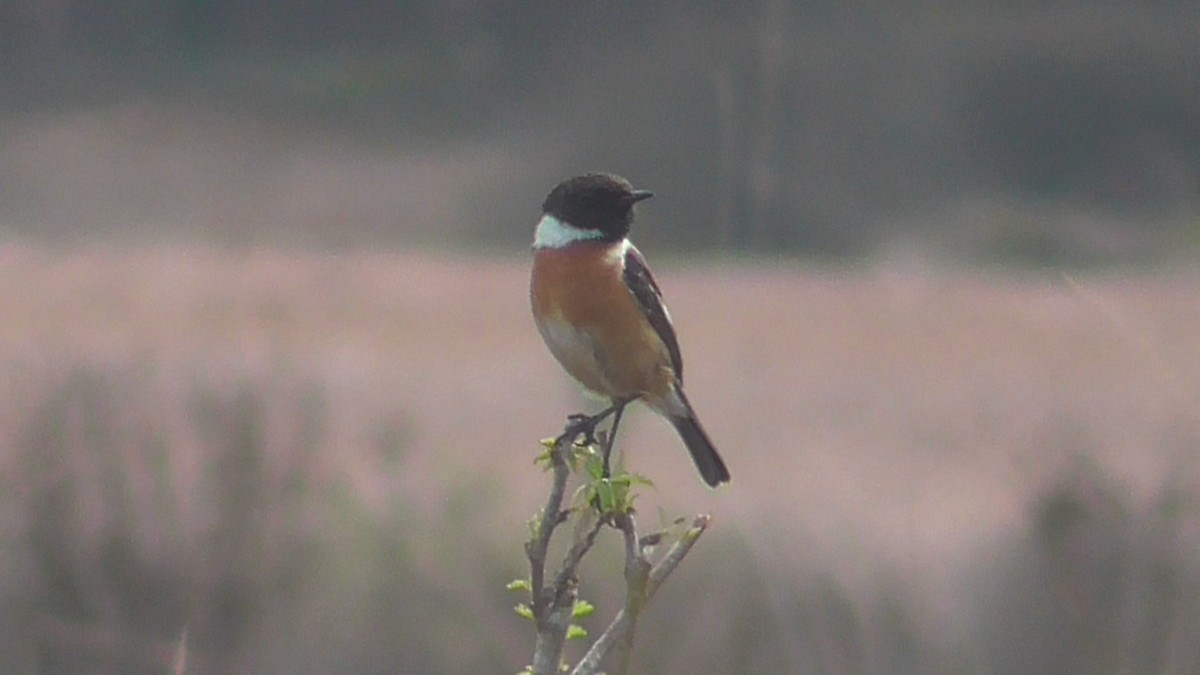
point(728, 162)
point(764, 186)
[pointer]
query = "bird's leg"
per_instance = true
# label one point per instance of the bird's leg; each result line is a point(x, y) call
point(612, 434)
point(585, 425)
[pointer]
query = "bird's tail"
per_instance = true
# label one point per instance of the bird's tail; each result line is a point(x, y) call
point(704, 454)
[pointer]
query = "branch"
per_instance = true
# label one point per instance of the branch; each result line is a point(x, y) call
point(637, 567)
point(552, 607)
point(554, 597)
point(637, 572)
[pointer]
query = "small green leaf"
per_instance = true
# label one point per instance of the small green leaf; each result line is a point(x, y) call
point(519, 585)
point(524, 610)
point(606, 491)
point(576, 632)
point(639, 479)
point(595, 468)
point(583, 608)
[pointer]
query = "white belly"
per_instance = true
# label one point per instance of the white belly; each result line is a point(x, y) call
point(579, 353)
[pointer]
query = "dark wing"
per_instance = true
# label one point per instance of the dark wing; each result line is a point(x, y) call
point(649, 298)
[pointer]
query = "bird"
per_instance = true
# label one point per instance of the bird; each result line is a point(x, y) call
point(601, 313)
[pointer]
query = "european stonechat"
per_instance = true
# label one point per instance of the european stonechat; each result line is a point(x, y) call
point(601, 313)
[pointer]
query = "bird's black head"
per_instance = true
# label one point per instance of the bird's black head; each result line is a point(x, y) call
point(598, 201)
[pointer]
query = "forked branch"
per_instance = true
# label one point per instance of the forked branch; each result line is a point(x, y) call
point(554, 596)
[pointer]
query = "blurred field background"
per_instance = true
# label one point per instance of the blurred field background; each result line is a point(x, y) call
point(268, 386)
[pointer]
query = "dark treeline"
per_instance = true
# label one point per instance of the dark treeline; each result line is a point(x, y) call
point(1048, 131)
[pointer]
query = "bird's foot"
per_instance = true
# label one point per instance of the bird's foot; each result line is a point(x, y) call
point(581, 425)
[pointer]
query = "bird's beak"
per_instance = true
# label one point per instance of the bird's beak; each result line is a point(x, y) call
point(639, 195)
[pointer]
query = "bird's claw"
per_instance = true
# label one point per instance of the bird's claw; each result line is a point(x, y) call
point(578, 425)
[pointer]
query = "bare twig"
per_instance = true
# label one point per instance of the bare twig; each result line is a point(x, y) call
point(637, 572)
point(552, 607)
point(620, 631)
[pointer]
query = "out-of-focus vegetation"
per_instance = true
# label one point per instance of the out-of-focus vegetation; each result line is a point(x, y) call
point(140, 515)
point(1061, 132)
point(275, 453)
point(137, 516)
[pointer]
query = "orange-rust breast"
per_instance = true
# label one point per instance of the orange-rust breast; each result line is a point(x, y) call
point(592, 323)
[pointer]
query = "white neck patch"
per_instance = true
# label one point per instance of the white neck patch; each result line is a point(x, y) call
point(554, 233)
